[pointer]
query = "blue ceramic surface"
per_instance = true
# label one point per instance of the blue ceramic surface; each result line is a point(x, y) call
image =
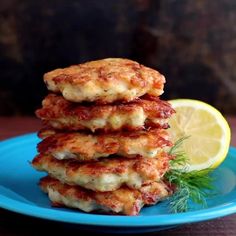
point(19, 193)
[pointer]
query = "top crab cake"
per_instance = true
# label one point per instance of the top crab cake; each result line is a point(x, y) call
point(105, 81)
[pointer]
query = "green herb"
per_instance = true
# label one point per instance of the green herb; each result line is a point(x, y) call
point(177, 145)
point(190, 186)
point(180, 158)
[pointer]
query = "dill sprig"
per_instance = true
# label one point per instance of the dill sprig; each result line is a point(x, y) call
point(180, 158)
point(189, 185)
point(177, 145)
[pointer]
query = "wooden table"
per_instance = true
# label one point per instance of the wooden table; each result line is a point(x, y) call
point(17, 224)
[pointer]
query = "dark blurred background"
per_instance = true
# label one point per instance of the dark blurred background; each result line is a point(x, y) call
point(193, 43)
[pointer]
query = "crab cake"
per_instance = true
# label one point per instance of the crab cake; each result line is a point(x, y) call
point(88, 147)
point(62, 114)
point(47, 132)
point(106, 174)
point(105, 81)
point(122, 201)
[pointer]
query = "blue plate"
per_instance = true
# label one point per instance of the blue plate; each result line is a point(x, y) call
point(19, 193)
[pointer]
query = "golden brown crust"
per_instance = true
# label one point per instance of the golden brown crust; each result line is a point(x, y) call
point(121, 201)
point(106, 174)
point(105, 81)
point(47, 132)
point(61, 114)
point(88, 147)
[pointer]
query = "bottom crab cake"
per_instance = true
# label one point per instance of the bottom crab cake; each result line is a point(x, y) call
point(107, 174)
point(121, 201)
point(88, 147)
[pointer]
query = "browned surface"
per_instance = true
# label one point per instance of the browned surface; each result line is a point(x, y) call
point(102, 77)
point(87, 147)
point(13, 224)
point(122, 201)
point(61, 114)
point(70, 171)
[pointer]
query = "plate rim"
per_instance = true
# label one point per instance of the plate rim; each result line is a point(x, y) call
point(111, 220)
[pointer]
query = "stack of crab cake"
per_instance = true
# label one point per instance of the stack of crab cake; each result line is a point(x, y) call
point(104, 144)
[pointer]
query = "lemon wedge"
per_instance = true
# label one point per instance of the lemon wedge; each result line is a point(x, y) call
point(208, 131)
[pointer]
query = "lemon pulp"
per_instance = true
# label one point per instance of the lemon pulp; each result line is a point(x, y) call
point(208, 131)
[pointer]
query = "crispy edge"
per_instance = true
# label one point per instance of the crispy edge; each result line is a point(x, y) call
point(72, 172)
point(87, 147)
point(124, 200)
point(62, 114)
point(106, 74)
